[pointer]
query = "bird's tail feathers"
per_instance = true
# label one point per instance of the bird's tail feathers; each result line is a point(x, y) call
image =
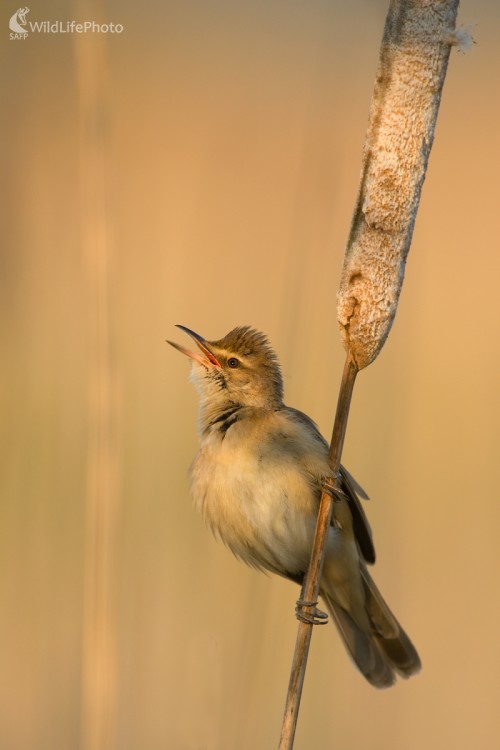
point(383, 652)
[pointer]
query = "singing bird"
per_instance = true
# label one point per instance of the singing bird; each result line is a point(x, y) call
point(257, 480)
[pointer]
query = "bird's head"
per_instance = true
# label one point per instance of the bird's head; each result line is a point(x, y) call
point(240, 368)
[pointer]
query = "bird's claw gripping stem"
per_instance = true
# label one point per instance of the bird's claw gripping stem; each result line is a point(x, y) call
point(316, 617)
point(330, 486)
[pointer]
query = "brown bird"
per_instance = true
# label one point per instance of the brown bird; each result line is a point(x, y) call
point(257, 480)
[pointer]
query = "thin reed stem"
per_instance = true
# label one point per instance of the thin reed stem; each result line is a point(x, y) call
point(310, 588)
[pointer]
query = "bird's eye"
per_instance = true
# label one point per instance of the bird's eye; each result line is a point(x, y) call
point(233, 362)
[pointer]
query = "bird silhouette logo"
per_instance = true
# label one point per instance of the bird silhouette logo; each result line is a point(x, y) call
point(18, 21)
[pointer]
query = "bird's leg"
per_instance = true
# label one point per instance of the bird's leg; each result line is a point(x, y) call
point(307, 611)
point(337, 495)
point(330, 486)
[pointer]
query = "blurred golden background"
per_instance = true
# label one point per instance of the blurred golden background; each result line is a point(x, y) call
point(201, 168)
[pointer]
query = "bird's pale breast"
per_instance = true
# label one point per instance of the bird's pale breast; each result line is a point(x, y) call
point(258, 488)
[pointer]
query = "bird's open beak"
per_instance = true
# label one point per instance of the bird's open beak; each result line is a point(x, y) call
point(206, 358)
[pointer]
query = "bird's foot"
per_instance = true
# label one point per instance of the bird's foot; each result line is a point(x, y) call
point(314, 617)
point(330, 486)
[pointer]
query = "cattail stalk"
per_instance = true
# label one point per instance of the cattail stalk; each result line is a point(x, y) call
point(310, 588)
point(416, 44)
